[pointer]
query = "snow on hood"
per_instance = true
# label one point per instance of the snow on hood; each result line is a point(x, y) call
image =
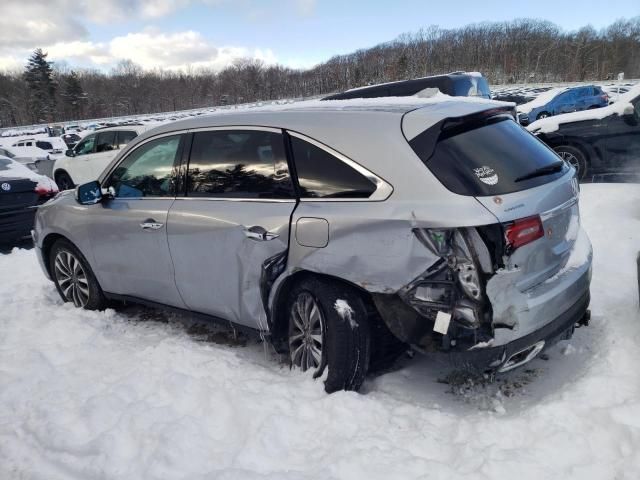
point(541, 100)
point(551, 124)
point(10, 169)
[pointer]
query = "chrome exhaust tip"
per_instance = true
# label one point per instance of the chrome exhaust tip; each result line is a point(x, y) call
point(521, 357)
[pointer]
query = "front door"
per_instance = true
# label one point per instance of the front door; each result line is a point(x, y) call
point(129, 231)
point(229, 235)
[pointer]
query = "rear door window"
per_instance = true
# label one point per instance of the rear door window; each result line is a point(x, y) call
point(125, 136)
point(44, 145)
point(238, 164)
point(322, 175)
point(491, 159)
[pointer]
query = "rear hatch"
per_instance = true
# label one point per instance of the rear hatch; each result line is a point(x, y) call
point(522, 182)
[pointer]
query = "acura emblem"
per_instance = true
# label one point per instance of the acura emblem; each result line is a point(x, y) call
point(6, 187)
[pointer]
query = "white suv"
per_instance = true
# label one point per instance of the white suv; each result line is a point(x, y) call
point(87, 160)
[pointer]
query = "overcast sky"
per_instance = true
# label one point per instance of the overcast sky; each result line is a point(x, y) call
point(175, 34)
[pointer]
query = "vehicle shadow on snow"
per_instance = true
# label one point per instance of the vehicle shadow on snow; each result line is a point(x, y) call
point(424, 380)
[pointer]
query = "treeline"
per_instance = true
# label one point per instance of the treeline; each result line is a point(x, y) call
point(506, 52)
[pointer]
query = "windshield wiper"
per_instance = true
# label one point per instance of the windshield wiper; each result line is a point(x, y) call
point(548, 170)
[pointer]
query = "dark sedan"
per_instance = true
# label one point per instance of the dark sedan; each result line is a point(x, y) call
point(21, 190)
point(602, 141)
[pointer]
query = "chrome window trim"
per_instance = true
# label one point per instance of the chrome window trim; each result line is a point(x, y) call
point(383, 189)
point(237, 127)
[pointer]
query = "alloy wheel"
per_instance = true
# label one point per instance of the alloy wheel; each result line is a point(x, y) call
point(71, 278)
point(571, 159)
point(307, 336)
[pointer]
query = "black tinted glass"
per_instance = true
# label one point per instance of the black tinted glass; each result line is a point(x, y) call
point(488, 160)
point(106, 141)
point(44, 145)
point(239, 163)
point(148, 171)
point(125, 136)
point(321, 175)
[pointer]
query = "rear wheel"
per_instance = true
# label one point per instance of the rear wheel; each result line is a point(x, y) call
point(543, 115)
point(64, 182)
point(574, 157)
point(329, 329)
point(73, 277)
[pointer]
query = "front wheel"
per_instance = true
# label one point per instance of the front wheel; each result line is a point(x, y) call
point(73, 277)
point(329, 329)
point(574, 157)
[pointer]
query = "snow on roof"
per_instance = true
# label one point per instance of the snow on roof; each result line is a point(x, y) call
point(551, 124)
point(10, 169)
point(541, 99)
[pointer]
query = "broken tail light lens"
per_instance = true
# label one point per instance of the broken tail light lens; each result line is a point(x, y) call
point(523, 231)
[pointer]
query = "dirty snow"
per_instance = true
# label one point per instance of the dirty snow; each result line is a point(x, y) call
point(131, 395)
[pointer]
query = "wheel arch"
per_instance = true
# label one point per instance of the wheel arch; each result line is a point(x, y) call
point(593, 156)
point(278, 318)
point(47, 244)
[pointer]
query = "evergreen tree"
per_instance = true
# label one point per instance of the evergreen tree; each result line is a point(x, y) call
point(74, 96)
point(38, 75)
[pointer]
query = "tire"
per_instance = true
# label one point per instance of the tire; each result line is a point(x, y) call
point(574, 157)
point(543, 115)
point(338, 341)
point(64, 182)
point(74, 278)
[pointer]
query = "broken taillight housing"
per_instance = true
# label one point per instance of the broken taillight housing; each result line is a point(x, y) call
point(523, 231)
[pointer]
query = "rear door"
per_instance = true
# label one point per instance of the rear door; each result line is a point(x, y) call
point(129, 232)
point(229, 235)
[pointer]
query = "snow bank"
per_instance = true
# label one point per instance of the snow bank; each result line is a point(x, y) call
point(88, 395)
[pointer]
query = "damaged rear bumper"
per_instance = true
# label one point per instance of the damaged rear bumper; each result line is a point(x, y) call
point(523, 349)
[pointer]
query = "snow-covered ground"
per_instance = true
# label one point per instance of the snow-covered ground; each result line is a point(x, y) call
point(134, 394)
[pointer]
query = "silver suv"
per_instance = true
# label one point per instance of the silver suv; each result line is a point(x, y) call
point(341, 231)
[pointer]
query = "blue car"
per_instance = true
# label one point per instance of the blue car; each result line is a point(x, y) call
point(562, 100)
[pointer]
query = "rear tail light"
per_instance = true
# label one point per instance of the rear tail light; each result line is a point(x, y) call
point(523, 231)
point(46, 190)
point(605, 97)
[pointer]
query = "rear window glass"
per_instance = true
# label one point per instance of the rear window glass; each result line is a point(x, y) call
point(489, 160)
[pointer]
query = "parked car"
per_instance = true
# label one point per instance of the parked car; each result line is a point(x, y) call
point(456, 84)
point(91, 155)
point(601, 141)
point(562, 100)
point(337, 230)
point(32, 157)
point(52, 145)
point(71, 139)
point(20, 191)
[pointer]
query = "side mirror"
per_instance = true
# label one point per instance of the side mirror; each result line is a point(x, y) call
point(70, 153)
point(89, 193)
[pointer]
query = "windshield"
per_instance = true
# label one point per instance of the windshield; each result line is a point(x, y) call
point(493, 159)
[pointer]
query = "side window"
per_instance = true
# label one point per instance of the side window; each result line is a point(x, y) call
point(240, 164)
point(44, 145)
point(148, 171)
point(321, 175)
point(86, 145)
point(566, 97)
point(124, 137)
point(106, 142)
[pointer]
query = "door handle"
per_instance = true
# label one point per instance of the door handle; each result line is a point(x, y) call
point(259, 233)
point(151, 224)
